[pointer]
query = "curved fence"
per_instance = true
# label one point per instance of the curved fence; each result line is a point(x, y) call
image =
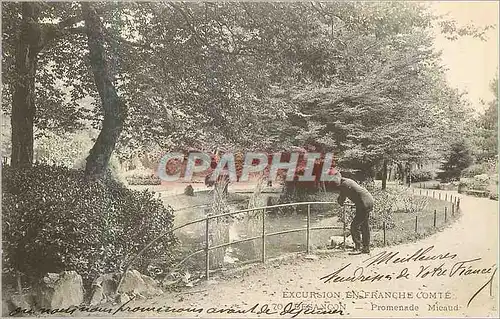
point(455, 203)
point(263, 235)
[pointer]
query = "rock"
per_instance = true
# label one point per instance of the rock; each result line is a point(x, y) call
point(189, 190)
point(104, 288)
point(23, 301)
point(138, 296)
point(122, 298)
point(97, 296)
point(131, 281)
point(166, 282)
point(143, 285)
point(60, 290)
point(336, 241)
point(148, 280)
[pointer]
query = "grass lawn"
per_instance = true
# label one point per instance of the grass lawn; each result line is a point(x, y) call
point(404, 228)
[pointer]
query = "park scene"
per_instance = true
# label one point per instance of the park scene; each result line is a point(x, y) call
point(103, 102)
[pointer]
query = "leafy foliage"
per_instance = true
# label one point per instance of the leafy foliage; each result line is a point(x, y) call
point(342, 74)
point(472, 184)
point(423, 175)
point(476, 169)
point(412, 204)
point(383, 94)
point(485, 132)
point(54, 219)
point(62, 149)
point(62, 81)
point(459, 157)
point(383, 209)
point(391, 201)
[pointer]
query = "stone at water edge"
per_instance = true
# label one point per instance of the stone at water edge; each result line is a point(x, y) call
point(339, 241)
point(60, 290)
point(189, 190)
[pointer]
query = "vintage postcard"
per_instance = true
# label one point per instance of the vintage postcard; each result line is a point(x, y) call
point(250, 159)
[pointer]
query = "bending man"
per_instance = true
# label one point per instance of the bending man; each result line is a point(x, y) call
point(364, 205)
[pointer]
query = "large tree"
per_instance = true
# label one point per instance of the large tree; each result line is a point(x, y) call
point(487, 131)
point(25, 40)
point(230, 75)
point(113, 106)
point(384, 97)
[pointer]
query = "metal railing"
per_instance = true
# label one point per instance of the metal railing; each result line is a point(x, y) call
point(455, 202)
point(263, 235)
point(455, 206)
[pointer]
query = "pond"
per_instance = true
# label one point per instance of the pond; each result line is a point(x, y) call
point(247, 225)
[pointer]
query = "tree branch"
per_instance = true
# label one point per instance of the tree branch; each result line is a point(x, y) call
point(52, 31)
point(110, 38)
point(202, 40)
point(322, 11)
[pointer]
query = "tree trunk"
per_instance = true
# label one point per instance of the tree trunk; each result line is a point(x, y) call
point(384, 174)
point(113, 107)
point(408, 172)
point(401, 173)
point(23, 101)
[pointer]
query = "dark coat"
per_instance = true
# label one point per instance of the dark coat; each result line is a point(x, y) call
point(356, 193)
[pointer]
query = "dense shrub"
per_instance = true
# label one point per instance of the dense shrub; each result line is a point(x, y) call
point(472, 184)
point(411, 204)
point(477, 193)
point(390, 201)
point(422, 175)
point(476, 169)
point(55, 219)
point(383, 209)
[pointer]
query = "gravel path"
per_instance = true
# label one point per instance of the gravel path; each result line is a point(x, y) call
point(446, 284)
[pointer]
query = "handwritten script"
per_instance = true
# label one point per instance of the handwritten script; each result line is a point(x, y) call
point(260, 309)
point(452, 266)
